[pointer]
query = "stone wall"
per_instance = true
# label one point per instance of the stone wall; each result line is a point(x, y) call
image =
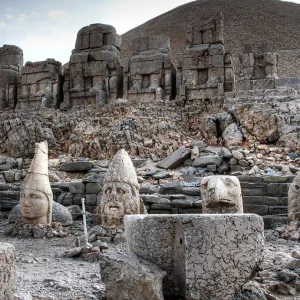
point(265, 196)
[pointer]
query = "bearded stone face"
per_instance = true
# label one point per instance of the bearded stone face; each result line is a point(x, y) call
point(221, 194)
point(34, 206)
point(118, 199)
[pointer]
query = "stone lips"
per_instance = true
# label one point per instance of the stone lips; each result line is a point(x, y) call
point(121, 169)
point(197, 249)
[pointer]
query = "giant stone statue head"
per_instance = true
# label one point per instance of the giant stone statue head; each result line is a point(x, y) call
point(221, 195)
point(120, 194)
point(36, 196)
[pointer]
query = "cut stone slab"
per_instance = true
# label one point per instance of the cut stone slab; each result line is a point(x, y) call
point(175, 159)
point(59, 214)
point(76, 166)
point(196, 249)
point(128, 277)
point(7, 271)
point(204, 161)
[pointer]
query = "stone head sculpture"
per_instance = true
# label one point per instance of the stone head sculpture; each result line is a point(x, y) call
point(36, 196)
point(120, 193)
point(294, 199)
point(221, 195)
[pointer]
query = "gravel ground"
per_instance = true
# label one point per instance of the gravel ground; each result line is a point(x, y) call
point(44, 273)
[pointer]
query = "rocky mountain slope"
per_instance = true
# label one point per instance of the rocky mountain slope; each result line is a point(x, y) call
point(247, 21)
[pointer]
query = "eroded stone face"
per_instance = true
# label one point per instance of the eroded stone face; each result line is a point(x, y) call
point(118, 199)
point(294, 199)
point(36, 195)
point(221, 194)
point(120, 194)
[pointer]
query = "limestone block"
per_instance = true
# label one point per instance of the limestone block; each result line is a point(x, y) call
point(110, 56)
point(7, 271)
point(80, 57)
point(203, 161)
point(218, 61)
point(175, 159)
point(128, 277)
point(221, 194)
point(216, 49)
point(11, 55)
point(232, 135)
point(196, 249)
point(76, 166)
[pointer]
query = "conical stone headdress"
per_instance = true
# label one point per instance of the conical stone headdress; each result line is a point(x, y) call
point(37, 177)
point(121, 169)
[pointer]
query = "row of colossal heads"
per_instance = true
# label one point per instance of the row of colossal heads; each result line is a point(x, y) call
point(94, 73)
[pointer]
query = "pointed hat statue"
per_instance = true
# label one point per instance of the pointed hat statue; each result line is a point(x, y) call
point(121, 169)
point(36, 195)
point(120, 194)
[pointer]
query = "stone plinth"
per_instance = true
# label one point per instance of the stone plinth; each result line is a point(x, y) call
point(40, 85)
point(7, 271)
point(11, 62)
point(205, 256)
point(259, 65)
point(94, 74)
point(206, 70)
point(150, 75)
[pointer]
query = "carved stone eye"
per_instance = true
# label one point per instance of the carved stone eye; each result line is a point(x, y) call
point(297, 187)
point(120, 191)
point(108, 191)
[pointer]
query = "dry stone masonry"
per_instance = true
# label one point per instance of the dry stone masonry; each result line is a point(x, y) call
point(194, 250)
point(11, 62)
point(94, 74)
point(259, 67)
point(206, 70)
point(40, 85)
point(150, 75)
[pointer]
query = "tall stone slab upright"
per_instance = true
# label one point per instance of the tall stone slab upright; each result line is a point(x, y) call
point(259, 66)
point(11, 62)
point(206, 70)
point(150, 75)
point(94, 74)
point(36, 196)
point(7, 271)
point(40, 85)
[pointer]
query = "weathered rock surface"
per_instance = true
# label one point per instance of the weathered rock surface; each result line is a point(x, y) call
point(7, 271)
point(196, 249)
point(128, 277)
point(176, 159)
point(59, 214)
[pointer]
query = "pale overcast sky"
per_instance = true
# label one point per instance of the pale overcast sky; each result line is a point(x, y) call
point(48, 28)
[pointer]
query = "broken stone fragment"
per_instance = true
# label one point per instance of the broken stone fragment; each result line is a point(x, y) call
point(128, 277)
point(175, 159)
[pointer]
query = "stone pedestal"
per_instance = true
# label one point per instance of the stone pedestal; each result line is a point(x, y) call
point(205, 256)
point(7, 271)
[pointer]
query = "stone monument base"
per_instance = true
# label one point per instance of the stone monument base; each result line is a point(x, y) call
point(208, 256)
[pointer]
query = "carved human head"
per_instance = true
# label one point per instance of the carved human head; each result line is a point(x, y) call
point(36, 196)
point(221, 194)
point(120, 193)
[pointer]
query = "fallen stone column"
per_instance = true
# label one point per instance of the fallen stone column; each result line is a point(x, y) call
point(205, 256)
point(7, 271)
